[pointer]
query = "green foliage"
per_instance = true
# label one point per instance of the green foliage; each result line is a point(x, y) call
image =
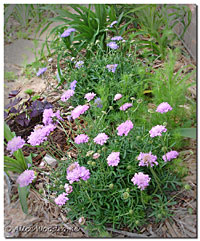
point(9, 75)
point(23, 194)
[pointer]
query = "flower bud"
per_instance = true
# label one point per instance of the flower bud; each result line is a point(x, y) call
point(151, 111)
point(164, 149)
point(138, 138)
point(111, 108)
point(96, 156)
point(131, 212)
point(61, 187)
point(139, 101)
point(127, 190)
point(187, 187)
point(93, 164)
point(81, 220)
point(40, 191)
point(89, 162)
point(137, 222)
point(129, 167)
point(125, 195)
point(104, 112)
point(111, 186)
point(164, 123)
point(89, 153)
point(159, 216)
point(132, 98)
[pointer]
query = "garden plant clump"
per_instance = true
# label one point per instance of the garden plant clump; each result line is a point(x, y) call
point(125, 147)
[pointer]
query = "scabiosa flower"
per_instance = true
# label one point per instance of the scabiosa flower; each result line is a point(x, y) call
point(113, 159)
point(90, 96)
point(117, 97)
point(170, 155)
point(89, 153)
point(82, 138)
point(16, 143)
point(117, 38)
point(67, 94)
point(141, 180)
point(61, 199)
point(163, 108)
point(111, 67)
point(73, 85)
point(147, 159)
point(98, 102)
point(80, 109)
point(79, 64)
point(101, 138)
point(124, 128)
point(68, 188)
point(125, 106)
point(96, 155)
point(41, 71)
point(113, 45)
point(25, 178)
point(75, 173)
point(113, 23)
point(157, 130)
point(48, 115)
point(67, 32)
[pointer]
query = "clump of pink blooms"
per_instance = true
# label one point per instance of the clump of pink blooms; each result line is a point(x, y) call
point(163, 108)
point(157, 130)
point(124, 128)
point(26, 178)
point(61, 199)
point(113, 159)
point(68, 188)
point(147, 159)
point(67, 94)
point(48, 116)
point(170, 155)
point(125, 106)
point(80, 109)
point(75, 172)
point(82, 138)
point(141, 180)
point(101, 139)
point(117, 97)
point(16, 143)
point(90, 96)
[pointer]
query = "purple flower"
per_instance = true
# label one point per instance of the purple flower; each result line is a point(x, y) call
point(90, 96)
point(117, 97)
point(80, 109)
point(73, 85)
point(111, 67)
point(147, 159)
point(82, 138)
point(16, 143)
point(68, 188)
point(84, 173)
point(170, 155)
point(124, 128)
point(67, 94)
point(141, 180)
point(125, 106)
point(67, 32)
point(25, 178)
point(75, 173)
point(40, 134)
point(98, 102)
point(157, 130)
point(113, 45)
point(113, 159)
point(61, 199)
point(79, 64)
point(101, 138)
point(113, 23)
point(117, 38)
point(163, 108)
point(48, 115)
point(41, 71)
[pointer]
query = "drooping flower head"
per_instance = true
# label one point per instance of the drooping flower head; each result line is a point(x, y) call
point(147, 159)
point(68, 188)
point(111, 67)
point(61, 199)
point(170, 155)
point(76, 172)
point(73, 85)
point(141, 180)
point(26, 178)
point(48, 116)
point(113, 23)
point(41, 71)
point(117, 97)
point(113, 45)
point(67, 32)
point(79, 64)
point(67, 94)
point(90, 96)
point(124, 128)
point(163, 108)
point(157, 130)
point(82, 138)
point(117, 38)
point(101, 139)
point(113, 159)
point(125, 106)
point(98, 102)
point(16, 143)
point(80, 109)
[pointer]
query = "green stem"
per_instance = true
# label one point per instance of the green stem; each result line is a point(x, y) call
point(156, 179)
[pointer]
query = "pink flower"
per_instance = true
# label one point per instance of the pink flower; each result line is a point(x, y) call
point(125, 106)
point(90, 96)
point(48, 115)
point(82, 138)
point(16, 143)
point(25, 178)
point(170, 155)
point(147, 159)
point(111, 67)
point(81, 220)
point(157, 131)
point(141, 180)
point(124, 128)
point(101, 138)
point(80, 109)
point(68, 188)
point(117, 97)
point(96, 155)
point(113, 159)
point(61, 199)
point(67, 94)
point(163, 108)
point(75, 173)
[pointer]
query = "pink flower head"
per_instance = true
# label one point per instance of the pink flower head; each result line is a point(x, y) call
point(61, 199)
point(170, 155)
point(163, 108)
point(67, 32)
point(117, 97)
point(124, 128)
point(147, 159)
point(90, 96)
point(113, 23)
point(67, 94)
point(68, 188)
point(113, 45)
point(101, 138)
point(113, 159)
point(75, 173)
point(79, 64)
point(141, 180)
point(25, 178)
point(157, 131)
point(96, 155)
point(111, 67)
point(125, 106)
point(82, 138)
point(80, 109)
point(48, 115)
point(41, 71)
point(16, 143)
point(117, 38)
